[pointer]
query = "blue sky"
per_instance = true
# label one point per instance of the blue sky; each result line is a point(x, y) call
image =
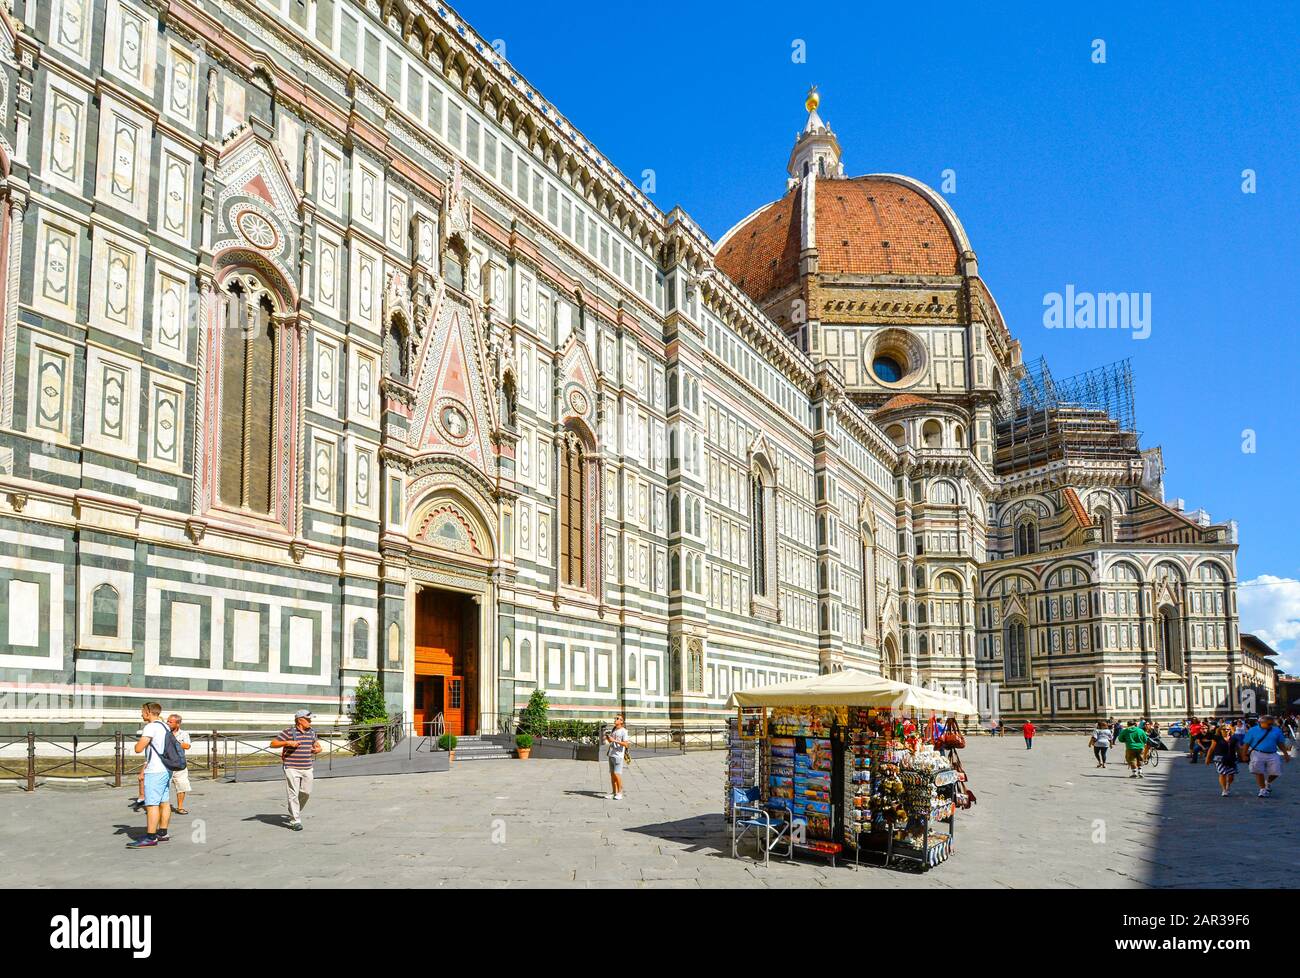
point(1123, 176)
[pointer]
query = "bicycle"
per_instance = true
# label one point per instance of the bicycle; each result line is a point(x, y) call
point(1151, 757)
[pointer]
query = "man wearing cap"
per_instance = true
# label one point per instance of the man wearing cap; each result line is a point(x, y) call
point(299, 746)
point(1264, 746)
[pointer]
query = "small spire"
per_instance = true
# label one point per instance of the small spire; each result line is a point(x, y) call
point(816, 150)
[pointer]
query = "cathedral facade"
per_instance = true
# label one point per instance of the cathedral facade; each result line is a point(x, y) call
point(331, 349)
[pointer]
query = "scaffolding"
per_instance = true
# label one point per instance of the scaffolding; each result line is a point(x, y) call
point(1040, 419)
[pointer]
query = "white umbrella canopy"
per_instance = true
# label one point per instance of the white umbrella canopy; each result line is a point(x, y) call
point(852, 688)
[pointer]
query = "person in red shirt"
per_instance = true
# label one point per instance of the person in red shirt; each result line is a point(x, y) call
point(1028, 731)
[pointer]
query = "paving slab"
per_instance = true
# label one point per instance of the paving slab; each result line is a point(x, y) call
point(1045, 818)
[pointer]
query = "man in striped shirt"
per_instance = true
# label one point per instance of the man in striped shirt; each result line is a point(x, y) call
point(299, 746)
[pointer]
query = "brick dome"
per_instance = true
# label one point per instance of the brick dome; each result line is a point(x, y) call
point(872, 225)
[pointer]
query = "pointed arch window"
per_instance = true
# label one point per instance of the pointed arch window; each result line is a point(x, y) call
point(573, 498)
point(762, 544)
point(1170, 650)
point(1102, 518)
point(1016, 655)
point(248, 401)
point(868, 580)
point(104, 606)
point(1026, 537)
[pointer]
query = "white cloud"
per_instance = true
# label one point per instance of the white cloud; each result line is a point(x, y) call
point(1270, 608)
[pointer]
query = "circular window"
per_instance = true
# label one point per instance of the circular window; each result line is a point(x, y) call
point(887, 369)
point(896, 358)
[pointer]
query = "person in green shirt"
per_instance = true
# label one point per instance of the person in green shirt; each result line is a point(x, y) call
point(1134, 739)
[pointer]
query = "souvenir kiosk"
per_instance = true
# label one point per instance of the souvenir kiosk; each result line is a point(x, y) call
point(851, 764)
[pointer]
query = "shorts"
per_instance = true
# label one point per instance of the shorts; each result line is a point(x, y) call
point(1268, 764)
point(157, 787)
point(181, 780)
point(1131, 755)
point(1225, 766)
point(615, 763)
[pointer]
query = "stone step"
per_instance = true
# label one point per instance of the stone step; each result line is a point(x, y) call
point(500, 754)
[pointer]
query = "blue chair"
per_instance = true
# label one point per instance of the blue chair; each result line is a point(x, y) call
point(769, 828)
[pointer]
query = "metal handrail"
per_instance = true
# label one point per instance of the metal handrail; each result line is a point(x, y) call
point(223, 749)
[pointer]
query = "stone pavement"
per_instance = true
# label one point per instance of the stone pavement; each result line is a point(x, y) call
point(1045, 818)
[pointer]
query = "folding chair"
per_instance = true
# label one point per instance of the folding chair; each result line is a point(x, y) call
point(748, 817)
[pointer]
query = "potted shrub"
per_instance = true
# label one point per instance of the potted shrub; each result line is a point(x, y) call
point(524, 746)
point(447, 742)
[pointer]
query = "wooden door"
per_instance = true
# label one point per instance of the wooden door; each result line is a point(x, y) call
point(428, 702)
point(453, 704)
point(421, 714)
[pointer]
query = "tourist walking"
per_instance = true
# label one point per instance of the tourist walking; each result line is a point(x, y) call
point(181, 778)
point(1194, 730)
point(157, 778)
point(1100, 742)
point(618, 745)
point(1224, 749)
point(1265, 746)
point(1028, 731)
point(1134, 739)
point(299, 746)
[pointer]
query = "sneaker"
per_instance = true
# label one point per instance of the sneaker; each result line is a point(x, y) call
point(1263, 792)
point(1133, 774)
point(164, 837)
point(1139, 774)
point(296, 826)
point(144, 842)
point(1223, 794)
point(619, 796)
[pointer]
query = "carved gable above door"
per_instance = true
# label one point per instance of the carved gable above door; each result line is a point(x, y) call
point(455, 411)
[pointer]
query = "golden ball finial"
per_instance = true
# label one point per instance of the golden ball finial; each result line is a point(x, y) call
point(813, 100)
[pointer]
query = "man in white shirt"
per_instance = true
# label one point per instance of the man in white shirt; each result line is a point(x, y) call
point(617, 741)
point(157, 777)
point(181, 778)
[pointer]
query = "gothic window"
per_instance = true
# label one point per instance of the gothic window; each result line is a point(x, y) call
point(1026, 537)
point(360, 639)
point(868, 577)
point(1102, 518)
point(103, 607)
point(1170, 651)
point(572, 508)
point(1016, 655)
point(761, 544)
point(248, 399)
point(695, 666)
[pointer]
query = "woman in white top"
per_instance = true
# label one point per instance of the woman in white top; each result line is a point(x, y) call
point(1100, 742)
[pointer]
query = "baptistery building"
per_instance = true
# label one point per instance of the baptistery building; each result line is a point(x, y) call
point(332, 349)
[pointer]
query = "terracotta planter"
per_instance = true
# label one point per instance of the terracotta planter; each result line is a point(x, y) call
point(523, 752)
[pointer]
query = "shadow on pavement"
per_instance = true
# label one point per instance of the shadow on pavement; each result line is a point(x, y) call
point(279, 821)
point(1205, 840)
point(702, 832)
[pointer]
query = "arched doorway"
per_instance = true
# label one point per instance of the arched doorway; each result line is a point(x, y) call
point(451, 601)
point(890, 664)
point(447, 680)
